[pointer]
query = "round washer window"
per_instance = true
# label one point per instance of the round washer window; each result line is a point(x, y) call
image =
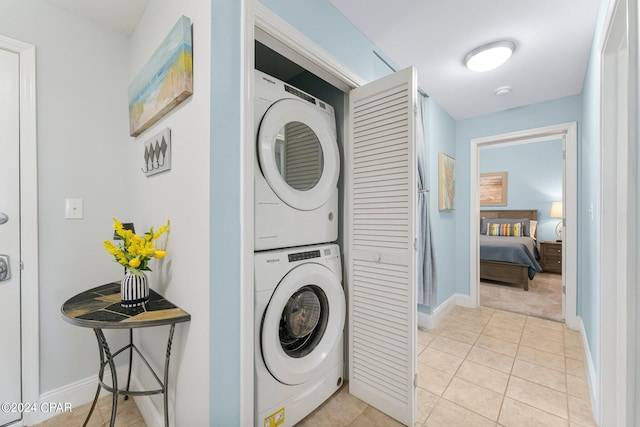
point(303, 321)
point(295, 352)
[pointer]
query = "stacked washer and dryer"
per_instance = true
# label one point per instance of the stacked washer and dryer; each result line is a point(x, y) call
point(299, 300)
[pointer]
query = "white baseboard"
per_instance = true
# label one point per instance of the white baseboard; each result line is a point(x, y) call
point(592, 379)
point(431, 320)
point(75, 394)
point(465, 301)
point(153, 417)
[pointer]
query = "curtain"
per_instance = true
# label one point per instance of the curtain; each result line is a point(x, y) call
point(427, 283)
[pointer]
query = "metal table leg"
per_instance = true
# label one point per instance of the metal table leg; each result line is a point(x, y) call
point(166, 377)
point(105, 353)
point(126, 397)
point(107, 358)
point(101, 372)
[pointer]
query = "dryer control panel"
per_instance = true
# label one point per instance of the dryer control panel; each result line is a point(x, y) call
point(304, 255)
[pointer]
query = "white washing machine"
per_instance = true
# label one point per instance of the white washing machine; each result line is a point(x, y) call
point(299, 321)
point(296, 168)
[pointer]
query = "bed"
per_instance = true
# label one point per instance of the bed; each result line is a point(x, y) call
point(510, 260)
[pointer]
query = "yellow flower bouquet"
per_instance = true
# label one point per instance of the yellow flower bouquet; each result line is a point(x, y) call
point(134, 251)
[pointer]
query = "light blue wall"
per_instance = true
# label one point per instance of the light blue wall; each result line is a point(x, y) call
point(589, 196)
point(442, 137)
point(226, 140)
point(534, 178)
point(562, 110)
point(329, 29)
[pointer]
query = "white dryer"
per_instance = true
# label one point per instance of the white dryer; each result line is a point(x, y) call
point(299, 321)
point(297, 167)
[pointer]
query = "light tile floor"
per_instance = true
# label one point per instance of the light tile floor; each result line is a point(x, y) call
point(128, 415)
point(486, 367)
point(479, 367)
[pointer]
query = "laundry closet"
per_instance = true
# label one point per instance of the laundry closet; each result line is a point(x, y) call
point(334, 279)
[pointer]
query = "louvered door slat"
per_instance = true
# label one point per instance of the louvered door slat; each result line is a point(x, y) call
point(381, 261)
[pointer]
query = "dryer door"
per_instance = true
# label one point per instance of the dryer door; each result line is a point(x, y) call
point(298, 154)
point(303, 324)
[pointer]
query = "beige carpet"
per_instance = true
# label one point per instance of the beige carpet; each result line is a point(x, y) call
point(544, 298)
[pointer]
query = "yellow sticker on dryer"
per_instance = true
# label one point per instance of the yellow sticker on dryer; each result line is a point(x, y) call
point(275, 419)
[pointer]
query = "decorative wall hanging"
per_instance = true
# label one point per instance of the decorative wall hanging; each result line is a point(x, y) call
point(493, 189)
point(446, 182)
point(165, 81)
point(157, 153)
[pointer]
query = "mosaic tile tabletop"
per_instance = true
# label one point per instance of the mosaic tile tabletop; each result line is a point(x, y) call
point(100, 308)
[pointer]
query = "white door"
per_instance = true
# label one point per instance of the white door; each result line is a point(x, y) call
point(381, 266)
point(10, 367)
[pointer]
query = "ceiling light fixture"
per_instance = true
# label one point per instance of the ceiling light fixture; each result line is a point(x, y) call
point(489, 56)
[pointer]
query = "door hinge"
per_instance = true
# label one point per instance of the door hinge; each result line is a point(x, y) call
point(415, 244)
point(564, 289)
point(415, 381)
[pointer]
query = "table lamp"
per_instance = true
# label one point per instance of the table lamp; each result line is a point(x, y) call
point(556, 212)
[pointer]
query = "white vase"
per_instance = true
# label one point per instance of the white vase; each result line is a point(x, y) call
point(134, 290)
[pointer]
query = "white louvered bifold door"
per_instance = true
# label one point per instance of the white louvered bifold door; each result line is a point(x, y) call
point(381, 203)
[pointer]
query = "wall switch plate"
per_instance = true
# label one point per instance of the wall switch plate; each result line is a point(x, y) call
point(73, 209)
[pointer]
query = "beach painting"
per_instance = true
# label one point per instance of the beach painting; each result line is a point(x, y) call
point(446, 182)
point(165, 81)
point(493, 189)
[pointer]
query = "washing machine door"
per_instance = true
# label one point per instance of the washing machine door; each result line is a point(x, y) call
point(298, 154)
point(302, 324)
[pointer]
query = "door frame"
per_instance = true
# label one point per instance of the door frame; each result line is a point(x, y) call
point(259, 21)
point(568, 133)
point(617, 251)
point(29, 304)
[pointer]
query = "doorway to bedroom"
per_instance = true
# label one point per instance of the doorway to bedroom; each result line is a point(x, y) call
point(521, 194)
point(567, 134)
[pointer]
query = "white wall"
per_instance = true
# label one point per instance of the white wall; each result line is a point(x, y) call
point(84, 151)
point(82, 131)
point(181, 195)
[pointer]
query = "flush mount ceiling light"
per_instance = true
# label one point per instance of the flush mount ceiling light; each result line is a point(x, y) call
point(489, 56)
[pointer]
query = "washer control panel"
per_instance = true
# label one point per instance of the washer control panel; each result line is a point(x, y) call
point(300, 256)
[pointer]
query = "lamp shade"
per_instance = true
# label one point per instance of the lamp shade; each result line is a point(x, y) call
point(556, 210)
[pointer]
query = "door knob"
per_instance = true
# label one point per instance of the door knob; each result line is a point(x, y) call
point(3, 218)
point(5, 274)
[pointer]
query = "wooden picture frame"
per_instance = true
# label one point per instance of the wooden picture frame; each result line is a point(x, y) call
point(446, 182)
point(493, 189)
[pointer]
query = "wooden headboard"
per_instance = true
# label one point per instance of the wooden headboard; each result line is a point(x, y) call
point(515, 214)
point(531, 214)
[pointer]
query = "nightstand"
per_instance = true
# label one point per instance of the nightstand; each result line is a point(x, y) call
point(551, 256)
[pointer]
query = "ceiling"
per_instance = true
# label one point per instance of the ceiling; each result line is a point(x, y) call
point(119, 15)
point(553, 43)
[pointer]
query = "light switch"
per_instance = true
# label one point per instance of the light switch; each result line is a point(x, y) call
point(73, 209)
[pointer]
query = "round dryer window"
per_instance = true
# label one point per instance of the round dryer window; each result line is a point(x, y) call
point(298, 154)
point(302, 323)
